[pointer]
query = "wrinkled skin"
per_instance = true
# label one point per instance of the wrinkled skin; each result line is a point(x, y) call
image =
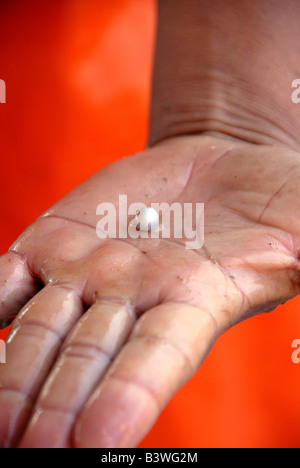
point(119, 325)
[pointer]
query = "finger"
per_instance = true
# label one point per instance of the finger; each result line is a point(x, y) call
point(17, 286)
point(84, 358)
point(32, 347)
point(165, 349)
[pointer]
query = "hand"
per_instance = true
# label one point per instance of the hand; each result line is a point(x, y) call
point(119, 325)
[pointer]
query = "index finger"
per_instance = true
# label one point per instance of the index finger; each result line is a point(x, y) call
point(166, 347)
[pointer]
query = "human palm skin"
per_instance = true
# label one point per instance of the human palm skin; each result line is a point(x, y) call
point(112, 328)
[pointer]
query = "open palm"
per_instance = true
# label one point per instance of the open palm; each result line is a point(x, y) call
point(114, 327)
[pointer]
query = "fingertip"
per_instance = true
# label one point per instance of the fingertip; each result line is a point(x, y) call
point(117, 416)
point(14, 412)
point(48, 429)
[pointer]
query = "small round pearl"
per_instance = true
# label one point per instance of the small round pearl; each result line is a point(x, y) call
point(146, 219)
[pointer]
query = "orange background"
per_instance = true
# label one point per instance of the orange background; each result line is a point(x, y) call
point(78, 78)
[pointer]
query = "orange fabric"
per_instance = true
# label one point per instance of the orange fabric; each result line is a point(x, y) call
point(78, 81)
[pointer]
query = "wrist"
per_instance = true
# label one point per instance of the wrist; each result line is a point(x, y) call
point(226, 71)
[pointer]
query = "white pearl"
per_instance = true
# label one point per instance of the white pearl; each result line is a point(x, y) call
point(146, 219)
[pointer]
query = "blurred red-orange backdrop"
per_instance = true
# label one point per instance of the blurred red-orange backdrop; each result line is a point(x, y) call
point(78, 76)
